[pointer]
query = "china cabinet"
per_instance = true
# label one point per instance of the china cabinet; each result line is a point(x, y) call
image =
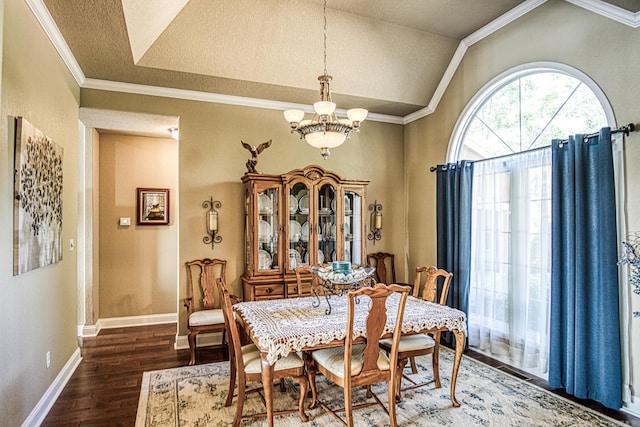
point(307, 216)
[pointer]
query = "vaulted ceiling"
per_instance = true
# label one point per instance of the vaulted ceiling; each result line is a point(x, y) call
point(391, 57)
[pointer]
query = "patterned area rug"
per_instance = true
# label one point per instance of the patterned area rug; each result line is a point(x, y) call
point(194, 396)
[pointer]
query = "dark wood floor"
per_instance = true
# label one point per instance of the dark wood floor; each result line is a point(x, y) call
point(105, 387)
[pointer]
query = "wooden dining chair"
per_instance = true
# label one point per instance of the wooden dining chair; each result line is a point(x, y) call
point(246, 366)
point(385, 265)
point(355, 365)
point(306, 281)
point(425, 286)
point(385, 268)
point(202, 313)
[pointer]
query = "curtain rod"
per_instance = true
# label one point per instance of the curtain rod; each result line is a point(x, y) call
point(626, 129)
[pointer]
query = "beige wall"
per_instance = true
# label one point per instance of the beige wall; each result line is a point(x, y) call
point(212, 161)
point(557, 31)
point(38, 308)
point(138, 263)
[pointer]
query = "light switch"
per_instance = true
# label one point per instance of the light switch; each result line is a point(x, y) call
point(125, 222)
point(72, 245)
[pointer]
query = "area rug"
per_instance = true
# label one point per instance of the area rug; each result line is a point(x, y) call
point(195, 396)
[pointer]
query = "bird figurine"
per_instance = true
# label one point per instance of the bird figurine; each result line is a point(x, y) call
point(253, 161)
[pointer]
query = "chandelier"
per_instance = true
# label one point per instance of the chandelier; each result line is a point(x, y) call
point(324, 130)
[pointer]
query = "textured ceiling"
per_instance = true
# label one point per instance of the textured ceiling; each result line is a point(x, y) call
point(386, 56)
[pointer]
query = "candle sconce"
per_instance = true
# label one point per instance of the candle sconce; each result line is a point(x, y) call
point(376, 222)
point(211, 220)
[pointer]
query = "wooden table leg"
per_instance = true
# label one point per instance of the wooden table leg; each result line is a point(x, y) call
point(456, 364)
point(267, 383)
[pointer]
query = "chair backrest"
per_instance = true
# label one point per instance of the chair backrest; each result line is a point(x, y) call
point(303, 274)
point(201, 281)
point(235, 355)
point(376, 320)
point(385, 265)
point(427, 280)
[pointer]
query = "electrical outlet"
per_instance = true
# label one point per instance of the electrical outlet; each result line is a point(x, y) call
point(48, 359)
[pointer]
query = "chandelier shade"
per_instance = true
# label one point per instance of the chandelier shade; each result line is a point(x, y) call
point(325, 130)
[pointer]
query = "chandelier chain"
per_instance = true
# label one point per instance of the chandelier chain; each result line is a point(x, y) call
point(325, 36)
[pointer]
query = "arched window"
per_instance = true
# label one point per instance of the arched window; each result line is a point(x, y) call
point(527, 106)
point(505, 128)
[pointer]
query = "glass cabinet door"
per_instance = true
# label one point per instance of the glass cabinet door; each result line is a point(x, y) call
point(327, 233)
point(298, 226)
point(353, 226)
point(268, 207)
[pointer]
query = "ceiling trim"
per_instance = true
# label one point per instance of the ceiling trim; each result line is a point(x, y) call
point(610, 11)
point(194, 95)
point(51, 29)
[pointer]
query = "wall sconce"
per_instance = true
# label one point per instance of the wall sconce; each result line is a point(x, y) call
point(211, 219)
point(376, 222)
point(175, 133)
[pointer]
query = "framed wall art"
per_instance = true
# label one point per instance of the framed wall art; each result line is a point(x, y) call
point(37, 213)
point(153, 206)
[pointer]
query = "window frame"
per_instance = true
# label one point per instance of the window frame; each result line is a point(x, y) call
point(489, 89)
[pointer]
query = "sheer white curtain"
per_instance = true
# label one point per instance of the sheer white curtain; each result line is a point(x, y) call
point(511, 259)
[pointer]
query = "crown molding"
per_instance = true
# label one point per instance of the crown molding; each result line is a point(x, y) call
point(51, 29)
point(216, 98)
point(623, 16)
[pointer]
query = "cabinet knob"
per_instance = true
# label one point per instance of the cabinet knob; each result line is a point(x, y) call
point(269, 290)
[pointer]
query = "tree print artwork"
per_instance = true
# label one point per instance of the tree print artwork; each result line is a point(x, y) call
point(38, 199)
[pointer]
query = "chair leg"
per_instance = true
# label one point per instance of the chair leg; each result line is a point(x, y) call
point(192, 347)
point(414, 367)
point(311, 373)
point(348, 406)
point(232, 382)
point(239, 405)
point(391, 402)
point(435, 358)
point(398, 379)
point(303, 381)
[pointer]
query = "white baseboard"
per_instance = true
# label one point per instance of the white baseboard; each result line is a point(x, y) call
point(124, 322)
point(202, 340)
point(37, 416)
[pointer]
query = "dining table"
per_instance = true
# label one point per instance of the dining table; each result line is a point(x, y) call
point(282, 326)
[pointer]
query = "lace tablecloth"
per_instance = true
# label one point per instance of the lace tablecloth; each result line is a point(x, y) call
point(279, 327)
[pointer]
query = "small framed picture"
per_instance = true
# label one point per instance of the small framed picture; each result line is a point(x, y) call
point(153, 206)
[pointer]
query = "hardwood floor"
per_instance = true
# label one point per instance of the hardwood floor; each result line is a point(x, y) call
point(105, 387)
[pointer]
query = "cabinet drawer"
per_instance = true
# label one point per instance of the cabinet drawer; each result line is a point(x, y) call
point(268, 291)
point(292, 290)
